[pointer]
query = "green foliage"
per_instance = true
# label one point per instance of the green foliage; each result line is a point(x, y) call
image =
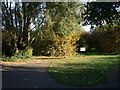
point(57, 26)
point(97, 13)
point(26, 54)
point(8, 59)
point(17, 19)
point(29, 52)
point(104, 40)
point(7, 44)
point(23, 55)
point(61, 30)
point(109, 41)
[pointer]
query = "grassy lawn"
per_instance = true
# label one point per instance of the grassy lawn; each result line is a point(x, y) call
point(83, 71)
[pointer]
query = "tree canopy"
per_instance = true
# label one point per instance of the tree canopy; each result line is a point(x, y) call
point(61, 29)
point(54, 27)
point(98, 13)
point(17, 19)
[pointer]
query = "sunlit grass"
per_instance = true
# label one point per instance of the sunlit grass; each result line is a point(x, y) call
point(83, 71)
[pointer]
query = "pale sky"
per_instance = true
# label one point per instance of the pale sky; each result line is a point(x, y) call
point(86, 28)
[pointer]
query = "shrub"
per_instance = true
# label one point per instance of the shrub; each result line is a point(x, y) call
point(23, 55)
point(27, 54)
point(8, 59)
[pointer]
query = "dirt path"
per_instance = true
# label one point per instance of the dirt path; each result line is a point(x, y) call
point(33, 75)
point(29, 75)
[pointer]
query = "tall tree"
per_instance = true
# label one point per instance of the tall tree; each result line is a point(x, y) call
point(17, 20)
point(61, 28)
point(98, 13)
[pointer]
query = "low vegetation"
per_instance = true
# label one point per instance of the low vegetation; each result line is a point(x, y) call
point(83, 71)
point(24, 55)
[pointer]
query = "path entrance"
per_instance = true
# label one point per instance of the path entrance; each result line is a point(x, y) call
point(34, 75)
point(30, 75)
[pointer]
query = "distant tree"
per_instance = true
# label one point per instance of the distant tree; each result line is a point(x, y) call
point(108, 38)
point(103, 39)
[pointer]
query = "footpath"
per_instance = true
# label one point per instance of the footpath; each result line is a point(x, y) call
point(34, 75)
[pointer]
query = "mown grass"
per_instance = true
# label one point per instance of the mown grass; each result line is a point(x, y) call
point(94, 54)
point(83, 72)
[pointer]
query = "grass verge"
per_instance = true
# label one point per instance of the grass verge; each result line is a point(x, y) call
point(83, 72)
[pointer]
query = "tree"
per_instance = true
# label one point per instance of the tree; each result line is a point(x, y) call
point(61, 29)
point(103, 39)
point(98, 13)
point(17, 20)
point(108, 39)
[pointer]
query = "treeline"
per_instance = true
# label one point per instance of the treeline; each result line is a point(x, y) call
point(102, 40)
point(46, 28)
point(53, 28)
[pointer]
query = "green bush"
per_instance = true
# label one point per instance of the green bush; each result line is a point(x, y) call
point(23, 55)
point(8, 59)
point(27, 54)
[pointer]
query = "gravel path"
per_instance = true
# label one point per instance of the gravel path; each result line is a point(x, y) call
point(34, 75)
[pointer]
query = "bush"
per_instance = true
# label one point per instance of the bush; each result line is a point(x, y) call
point(23, 55)
point(8, 59)
point(27, 54)
point(60, 46)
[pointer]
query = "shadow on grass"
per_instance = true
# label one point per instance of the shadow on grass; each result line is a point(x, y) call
point(43, 58)
point(85, 74)
point(93, 53)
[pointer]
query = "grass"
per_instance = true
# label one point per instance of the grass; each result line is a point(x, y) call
point(8, 59)
point(83, 71)
point(13, 58)
point(94, 54)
